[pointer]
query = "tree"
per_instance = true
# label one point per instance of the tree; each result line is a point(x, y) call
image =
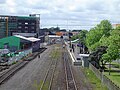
point(105, 26)
point(92, 39)
point(113, 43)
point(97, 40)
point(113, 50)
point(82, 36)
point(74, 37)
point(104, 41)
point(95, 56)
point(95, 34)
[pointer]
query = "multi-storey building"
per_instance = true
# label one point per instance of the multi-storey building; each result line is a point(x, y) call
point(22, 25)
point(116, 25)
point(8, 24)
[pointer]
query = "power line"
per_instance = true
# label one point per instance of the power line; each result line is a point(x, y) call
point(68, 25)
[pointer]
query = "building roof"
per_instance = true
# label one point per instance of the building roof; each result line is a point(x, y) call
point(53, 36)
point(22, 37)
point(32, 39)
point(26, 17)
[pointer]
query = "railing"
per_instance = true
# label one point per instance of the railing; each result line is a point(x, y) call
point(105, 80)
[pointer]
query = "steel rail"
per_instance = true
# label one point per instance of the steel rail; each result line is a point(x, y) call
point(70, 81)
point(52, 69)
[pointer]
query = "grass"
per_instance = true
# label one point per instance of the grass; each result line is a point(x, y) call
point(114, 77)
point(37, 85)
point(14, 62)
point(116, 65)
point(114, 74)
point(55, 53)
point(97, 85)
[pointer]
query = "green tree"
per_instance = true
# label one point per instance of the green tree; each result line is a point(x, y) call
point(82, 36)
point(113, 50)
point(113, 44)
point(95, 34)
point(105, 26)
point(92, 39)
point(104, 41)
point(74, 37)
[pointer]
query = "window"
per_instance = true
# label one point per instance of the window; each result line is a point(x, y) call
point(33, 23)
point(26, 23)
point(26, 27)
point(32, 27)
point(19, 23)
point(32, 31)
point(19, 31)
point(19, 27)
point(26, 31)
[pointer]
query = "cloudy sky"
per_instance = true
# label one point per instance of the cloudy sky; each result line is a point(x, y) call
point(68, 14)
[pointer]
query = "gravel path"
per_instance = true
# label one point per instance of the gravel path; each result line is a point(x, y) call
point(59, 82)
point(81, 81)
point(31, 75)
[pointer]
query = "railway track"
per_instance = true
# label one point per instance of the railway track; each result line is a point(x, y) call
point(48, 79)
point(5, 76)
point(70, 81)
point(12, 71)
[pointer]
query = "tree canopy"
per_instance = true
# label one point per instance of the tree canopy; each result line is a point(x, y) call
point(113, 43)
point(95, 34)
point(104, 36)
point(81, 36)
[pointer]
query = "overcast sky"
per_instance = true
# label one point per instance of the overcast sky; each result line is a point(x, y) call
point(68, 14)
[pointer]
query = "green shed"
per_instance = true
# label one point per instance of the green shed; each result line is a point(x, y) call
point(12, 43)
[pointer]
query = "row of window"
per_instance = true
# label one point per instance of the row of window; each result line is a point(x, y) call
point(26, 31)
point(20, 27)
point(26, 23)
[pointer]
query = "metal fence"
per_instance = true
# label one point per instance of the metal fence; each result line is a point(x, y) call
point(105, 80)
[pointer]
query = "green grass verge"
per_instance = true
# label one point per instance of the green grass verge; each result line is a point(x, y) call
point(96, 83)
point(55, 54)
point(37, 85)
point(114, 77)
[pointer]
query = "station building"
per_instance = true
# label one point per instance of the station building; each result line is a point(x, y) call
point(19, 43)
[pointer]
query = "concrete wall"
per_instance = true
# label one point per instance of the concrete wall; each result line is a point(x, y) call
point(19, 56)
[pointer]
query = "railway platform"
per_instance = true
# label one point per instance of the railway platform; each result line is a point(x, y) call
point(76, 59)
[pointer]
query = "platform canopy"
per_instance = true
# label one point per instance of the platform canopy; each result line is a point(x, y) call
point(32, 39)
point(76, 40)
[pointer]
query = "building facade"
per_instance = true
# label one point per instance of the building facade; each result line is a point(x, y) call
point(8, 24)
point(116, 25)
point(19, 25)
